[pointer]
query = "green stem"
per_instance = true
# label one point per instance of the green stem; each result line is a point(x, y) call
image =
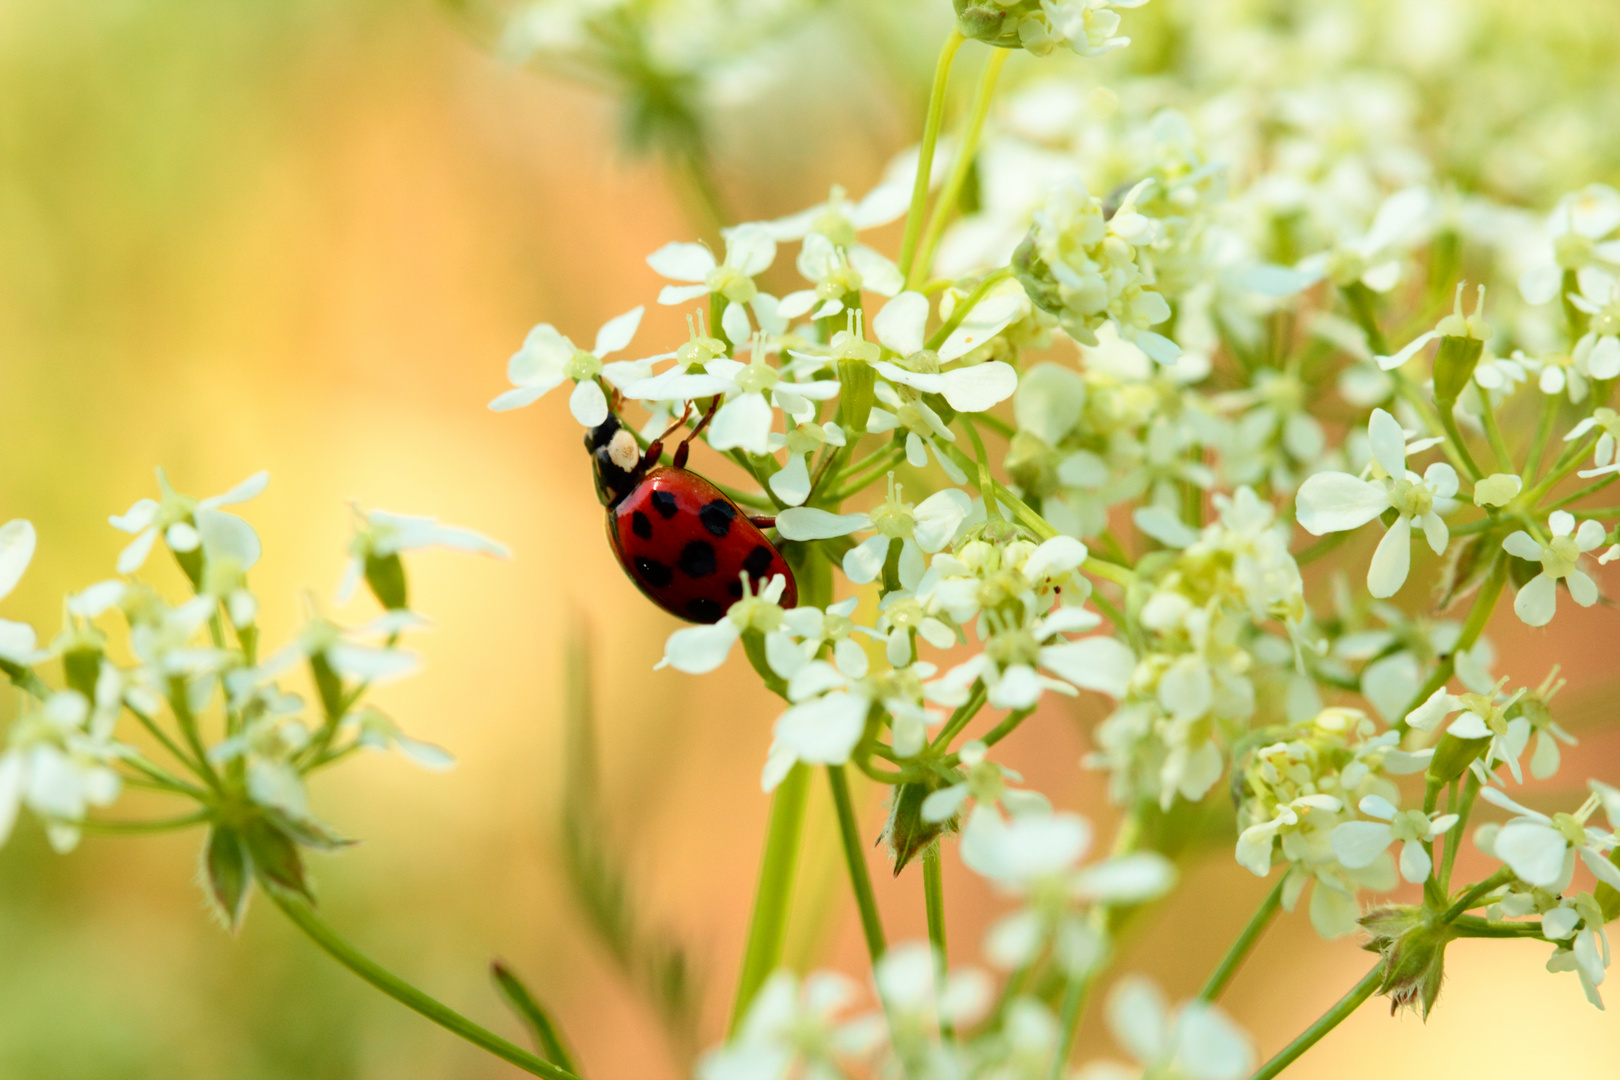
point(1544, 430)
point(934, 900)
point(1493, 434)
point(1471, 897)
point(1477, 618)
point(962, 716)
point(138, 827)
point(860, 879)
point(1006, 727)
point(768, 927)
point(1454, 837)
point(25, 679)
point(992, 512)
point(304, 917)
point(969, 302)
point(1448, 420)
point(187, 723)
point(534, 1016)
point(1245, 943)
point(1074, 1002)
point(965, 156)
point(925, 154)
point(1330, 1020)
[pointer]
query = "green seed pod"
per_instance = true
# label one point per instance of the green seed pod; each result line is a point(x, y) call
point(386, 576)
point(1454, 366)
point(1452, 756)
point(856, 380)
point(907, 833)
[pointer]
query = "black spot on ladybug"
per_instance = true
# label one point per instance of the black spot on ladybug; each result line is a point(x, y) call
point(716, 517)
point(758, 561)
point(735, 589)
point(640, 525)
point(697, 558)
point(653, 573)
point(664, 503)
point(705, 610)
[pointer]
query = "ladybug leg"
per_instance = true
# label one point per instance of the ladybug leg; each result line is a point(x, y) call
point(656, 447)
point(682, 450)
point(763, 521)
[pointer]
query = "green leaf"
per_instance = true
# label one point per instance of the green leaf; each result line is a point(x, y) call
point(275, 856)
point(230, 877)
point(1466, 567)
point(534, 1016)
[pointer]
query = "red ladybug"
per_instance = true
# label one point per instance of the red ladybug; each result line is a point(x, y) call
point(682, 542)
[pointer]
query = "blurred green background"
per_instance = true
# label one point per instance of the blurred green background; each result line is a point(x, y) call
point(305, 236)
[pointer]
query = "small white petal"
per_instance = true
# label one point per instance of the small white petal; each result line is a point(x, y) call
point(1388, 443)
point(1335, 501)
point(588, 403)
point(1537, 602)
point(899, 325)
point(1534, 851)
point(17, 543)
point(1358, 843)
point(617, 332)
point(810, 523)
point(792, 482)
point(682, 262)
point(698, 650)
point(1391, 561)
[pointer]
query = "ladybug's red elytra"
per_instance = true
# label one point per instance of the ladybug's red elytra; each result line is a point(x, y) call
point(681, 540)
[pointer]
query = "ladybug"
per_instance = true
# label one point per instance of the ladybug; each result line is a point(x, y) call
point(681, 540)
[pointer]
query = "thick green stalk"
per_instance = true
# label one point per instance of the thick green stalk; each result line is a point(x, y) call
point(1074, 1002)
point(965, 156)
point(925, 155)
point(1477, 618)
point(304, 917)
point(1330, 1020)
point(768, 927)
point(1493, 433)
point(860, 878)
point(1245, 943)
point(962, 716)
point(934, 901)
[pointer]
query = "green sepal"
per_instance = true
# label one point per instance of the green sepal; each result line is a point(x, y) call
point(907, 833)
point(1412, 941)
point(386, 576)
point(1036, 277)
point(1454, 366)
point(1467, 565)
point(275, 856)
point(228, 874)
point(1452, 756)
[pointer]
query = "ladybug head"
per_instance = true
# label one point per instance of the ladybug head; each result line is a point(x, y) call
point(615, 459)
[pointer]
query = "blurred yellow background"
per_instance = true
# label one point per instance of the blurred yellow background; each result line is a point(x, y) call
point(305, 236)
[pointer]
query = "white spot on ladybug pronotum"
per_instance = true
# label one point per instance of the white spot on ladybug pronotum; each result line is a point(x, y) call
point(623, 451)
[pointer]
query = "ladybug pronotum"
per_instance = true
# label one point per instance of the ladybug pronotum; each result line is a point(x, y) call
point(681, 540)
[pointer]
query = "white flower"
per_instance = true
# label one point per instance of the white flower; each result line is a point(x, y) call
point(749, 253)
point(1559, 558)
point(1257, 842)
point(1197, 1041)
point(745, 421)
point(698, 650)
point(1358, 843)
point(907, 979)
point(1603, 451)
point(901, 327)
point(1575, 232)
point(925, 528)
point(1455, 325)
point(56, 768)
point(17, 541)
point(1012, 655)
point(1578, 921)
point(381, 535)
point(188, 524)
point(1541, 850)
point(1597, 353)
point(837, 272)
point(986, 783)
point(1484, 716)
point(547, 358)
point(1375, 259)
point(790, 1025)
point(1336, 502)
